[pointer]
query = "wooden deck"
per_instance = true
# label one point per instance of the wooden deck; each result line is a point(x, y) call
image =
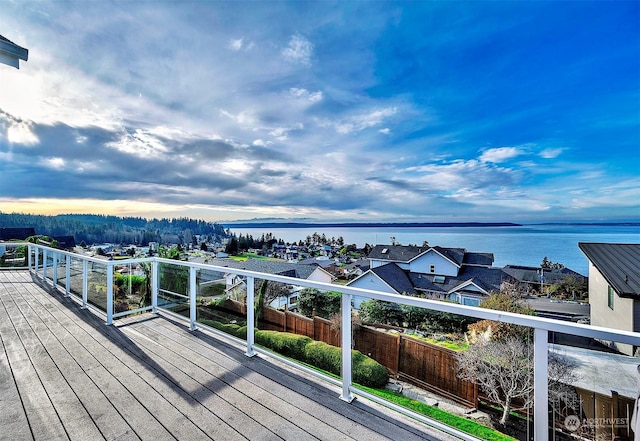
point(64, 374)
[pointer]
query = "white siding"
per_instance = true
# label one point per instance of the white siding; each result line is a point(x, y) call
point(442, 265)
point(369, 281)
point(373, 263)
point(319, 275)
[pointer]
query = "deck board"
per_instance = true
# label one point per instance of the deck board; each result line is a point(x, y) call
point(64, 374)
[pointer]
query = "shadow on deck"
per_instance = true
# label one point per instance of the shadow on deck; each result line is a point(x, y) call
point(64, 374)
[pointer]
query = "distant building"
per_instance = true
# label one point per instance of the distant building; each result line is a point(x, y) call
point(534, 278)
point(432, 272)
point(614, 287)
point(16, 233)
point(65, 242)
point(236, 285)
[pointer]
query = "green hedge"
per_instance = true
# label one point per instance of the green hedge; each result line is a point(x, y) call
point(366, 371)
point(232, 329)
point(285, 343)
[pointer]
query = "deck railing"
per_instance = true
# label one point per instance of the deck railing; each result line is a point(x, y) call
point(177, 287)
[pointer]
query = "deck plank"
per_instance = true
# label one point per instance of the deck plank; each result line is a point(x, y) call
point(64, 374)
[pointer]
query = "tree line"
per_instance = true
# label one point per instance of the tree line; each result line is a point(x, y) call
point(96, 228)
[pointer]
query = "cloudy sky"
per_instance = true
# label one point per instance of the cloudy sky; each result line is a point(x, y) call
point(362, 111)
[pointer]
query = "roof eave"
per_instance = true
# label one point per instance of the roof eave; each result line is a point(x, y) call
point(11, 53)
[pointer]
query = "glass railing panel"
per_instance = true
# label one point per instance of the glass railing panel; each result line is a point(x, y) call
point(222, 302)
point(75, 277)
point(595, 401)
point(49, 263)
point(61, 271)
point(310, 320)
point(97, 285)
point(132, 286)
point(173, 290)
point(13, 255)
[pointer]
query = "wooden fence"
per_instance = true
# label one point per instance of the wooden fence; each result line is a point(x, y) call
point(425, 365)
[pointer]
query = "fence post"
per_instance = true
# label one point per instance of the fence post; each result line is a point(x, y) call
point(67, 283)
point(155, 279)
point(192, 298)
point(85, 282)
point(250, 317)
point(30, 257)
point(540, 385)
point(109, 294)
point(345, 342)
point(55, 270)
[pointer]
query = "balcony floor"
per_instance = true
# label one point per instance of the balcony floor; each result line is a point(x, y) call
point(64, 374)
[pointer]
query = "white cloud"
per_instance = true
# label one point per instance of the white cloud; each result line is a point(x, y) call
point(385, 131)
point(357, 123)
point(300, 93)
point(261, 143)
point(550, 153)
point(240, 44)
point(55, 163)
point(20, 132)
point(500, 154)
point(299, 50)
point(140, 143)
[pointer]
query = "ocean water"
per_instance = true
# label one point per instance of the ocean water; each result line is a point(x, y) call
point(521, 245)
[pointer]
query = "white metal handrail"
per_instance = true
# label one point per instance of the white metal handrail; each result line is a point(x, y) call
point(541, 326)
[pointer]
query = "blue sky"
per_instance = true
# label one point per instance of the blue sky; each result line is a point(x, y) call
point(363, 111)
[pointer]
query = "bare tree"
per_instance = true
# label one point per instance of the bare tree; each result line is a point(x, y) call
point(504, 371)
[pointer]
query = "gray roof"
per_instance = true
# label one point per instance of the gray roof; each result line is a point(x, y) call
point(531, 274)
point(619, 264)
point(396, 253)
point(395, 277)
point(488, 279)
point(300, 271)
point(406, 253)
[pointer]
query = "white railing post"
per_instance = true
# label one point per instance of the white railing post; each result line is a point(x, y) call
point(541, 385)
point(85, 282)
point(30, 257)
point(155, 278)
point(44, 265)
point(109, 294)
point(345, 342)
point(193, 288)
point(251, 316)
point(67, 282)
point(55, 270)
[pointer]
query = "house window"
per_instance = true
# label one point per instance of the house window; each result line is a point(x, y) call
point(610, 298)
point(293, 300)
point(432, 268)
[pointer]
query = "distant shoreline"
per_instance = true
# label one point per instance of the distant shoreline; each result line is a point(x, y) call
point(282, 225)
point(365, 225)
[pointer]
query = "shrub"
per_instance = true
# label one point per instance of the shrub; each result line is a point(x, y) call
point(285, 343)
point(323, 356)
point(232, 329)
point(367, 371)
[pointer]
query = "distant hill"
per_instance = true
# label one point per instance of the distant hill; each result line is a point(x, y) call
point(96, 228)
